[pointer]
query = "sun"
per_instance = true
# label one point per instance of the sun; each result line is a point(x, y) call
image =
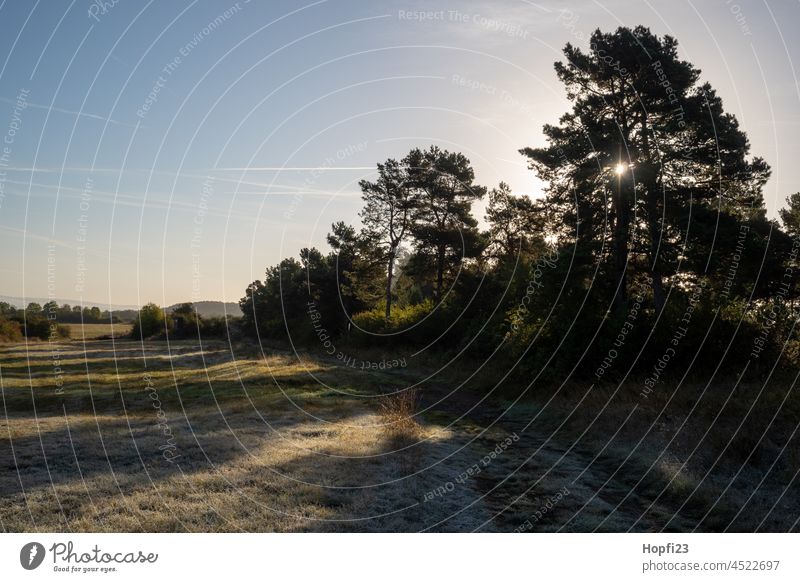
point(620, 168)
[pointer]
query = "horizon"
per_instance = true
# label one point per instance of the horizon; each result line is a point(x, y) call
point(18, 303)
point(172, 152)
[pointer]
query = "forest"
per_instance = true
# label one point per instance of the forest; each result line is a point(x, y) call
point(650, 253)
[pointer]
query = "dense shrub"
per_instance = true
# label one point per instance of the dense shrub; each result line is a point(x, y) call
point(149, 322)
point(10, 331)
point(402, 318)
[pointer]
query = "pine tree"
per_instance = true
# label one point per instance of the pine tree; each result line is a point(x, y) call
point(387, 211)
point(443, 227)
point(645, 149)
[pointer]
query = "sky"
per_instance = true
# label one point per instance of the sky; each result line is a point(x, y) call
point(172, 151)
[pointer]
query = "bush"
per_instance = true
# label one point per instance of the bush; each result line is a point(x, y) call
point(402, 317)
point(218, 327)
point(10, 331)
point(149, 322)
point(38, 327)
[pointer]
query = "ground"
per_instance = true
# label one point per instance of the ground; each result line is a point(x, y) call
point(117, 435)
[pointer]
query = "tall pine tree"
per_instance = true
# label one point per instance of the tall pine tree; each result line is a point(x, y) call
point(645, 153)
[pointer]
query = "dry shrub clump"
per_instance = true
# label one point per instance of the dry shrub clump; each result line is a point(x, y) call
point(398, 411)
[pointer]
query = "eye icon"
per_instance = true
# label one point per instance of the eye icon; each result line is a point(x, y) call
point(31, 555)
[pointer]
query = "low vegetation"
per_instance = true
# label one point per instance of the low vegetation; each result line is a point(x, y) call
point(179, 436)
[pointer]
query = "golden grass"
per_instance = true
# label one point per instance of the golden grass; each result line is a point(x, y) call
point(179, 437)
point(90, 331)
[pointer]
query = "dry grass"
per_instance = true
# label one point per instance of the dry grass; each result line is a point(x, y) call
point(287, 443)
point(255, 444)
point(399, 412)
point(90, 331)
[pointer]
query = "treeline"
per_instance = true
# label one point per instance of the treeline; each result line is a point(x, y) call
point(62, 313)
point(34, 321)
point(650, 252)
point(44, 321)
point(181, 321)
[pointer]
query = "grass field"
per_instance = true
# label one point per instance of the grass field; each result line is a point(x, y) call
point(88, 331)
point(126, 436)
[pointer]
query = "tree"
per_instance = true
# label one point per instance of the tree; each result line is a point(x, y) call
point(33, 309)
point(388, 204)
point(50, 309)
point(282, 297)
point(149, 322)
point(790, 216)
point(443, 227)
point(185, 318)
point(514, 223)
point(644, 148)
point(357, 262)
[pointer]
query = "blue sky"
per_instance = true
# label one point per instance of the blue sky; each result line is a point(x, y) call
point(171, 151)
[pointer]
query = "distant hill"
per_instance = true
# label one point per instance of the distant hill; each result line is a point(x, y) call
point(21, 302)
point(213, 308)
point(129, 312)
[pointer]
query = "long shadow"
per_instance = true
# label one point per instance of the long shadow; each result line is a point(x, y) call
point(39, 365)
point(83, 438)
point(349, 489)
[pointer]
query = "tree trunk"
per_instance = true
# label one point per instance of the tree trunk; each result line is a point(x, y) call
point(654, 182)
point(439, 271)
point(620, 250)
point(654, 232)
point(622, 223)
point(389, 276)
point(658, 290)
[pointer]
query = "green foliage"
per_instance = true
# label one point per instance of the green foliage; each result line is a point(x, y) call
point(387, 214)
point(442, 226)
point(402, 318)
point(790, 216)
point(39, 327)
point(10, 331)
point(149, 322)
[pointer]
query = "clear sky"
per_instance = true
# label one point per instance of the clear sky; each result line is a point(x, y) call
point(168, 151)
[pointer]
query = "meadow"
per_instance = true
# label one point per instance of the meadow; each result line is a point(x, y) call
point(87, 331)
point(118, 435)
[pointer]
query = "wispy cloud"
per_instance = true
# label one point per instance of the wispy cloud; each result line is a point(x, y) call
point(296, 169)
point(19, 233)
point(70, 112)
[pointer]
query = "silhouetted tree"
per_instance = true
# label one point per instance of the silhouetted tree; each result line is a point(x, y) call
point(386, 214)
point(643, 146)
point(515, 222)
point(443, 227)
point(790, 216)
